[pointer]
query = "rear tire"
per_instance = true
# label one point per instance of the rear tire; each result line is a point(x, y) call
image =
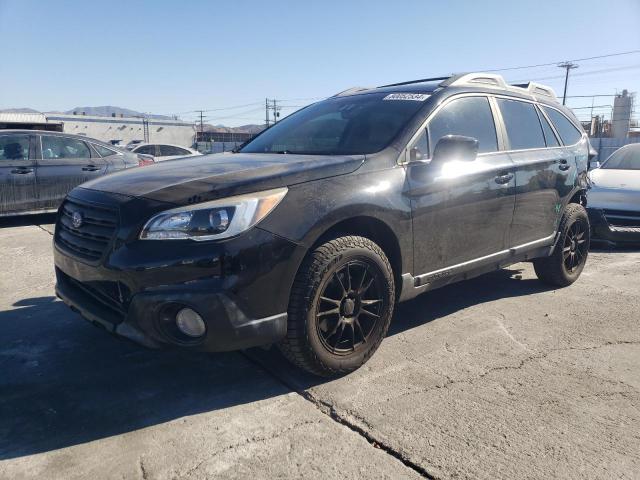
point(340, 307)
point(570, 254)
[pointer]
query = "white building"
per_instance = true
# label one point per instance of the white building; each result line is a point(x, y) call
point(116, 130)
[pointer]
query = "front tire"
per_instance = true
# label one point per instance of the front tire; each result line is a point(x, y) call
point(340, 307)
point(570, 254)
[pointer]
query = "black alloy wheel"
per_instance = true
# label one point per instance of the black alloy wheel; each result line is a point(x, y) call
point(565, 264)
point(575, 246)
point(340, 307)
point(350, 307)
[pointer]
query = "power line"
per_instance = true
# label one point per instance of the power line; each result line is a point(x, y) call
point(630, 52)
point(233, 107)
point(581, 74)
point(590, 96)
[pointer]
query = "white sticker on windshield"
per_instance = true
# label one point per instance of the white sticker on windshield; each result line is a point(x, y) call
point(415, 97)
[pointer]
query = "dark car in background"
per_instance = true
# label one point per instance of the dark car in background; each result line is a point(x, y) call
point(309, 234)
point(614, 197)
point(38, 168)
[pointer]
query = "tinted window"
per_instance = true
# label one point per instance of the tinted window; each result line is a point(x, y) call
point(104, 151)
point(549, 136)
point(522, 124)
point(471, 117)
point(61, 147)
point(170, 150)
point(567, 130)
point(626, 158)
point(14, 147)
point(340, 126)
point(146, 150)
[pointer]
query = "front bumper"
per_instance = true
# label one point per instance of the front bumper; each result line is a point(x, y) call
point(614, 226)
point(240, 287)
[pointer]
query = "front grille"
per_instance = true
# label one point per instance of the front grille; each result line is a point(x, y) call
point(622, 218)
point(90, 240)
point(90, 299)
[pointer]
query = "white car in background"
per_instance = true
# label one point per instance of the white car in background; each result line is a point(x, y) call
point(613, 202)
point(164, 151)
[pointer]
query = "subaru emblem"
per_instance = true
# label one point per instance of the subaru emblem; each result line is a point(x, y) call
point(76, 219)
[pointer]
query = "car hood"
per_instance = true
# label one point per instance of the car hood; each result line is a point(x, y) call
point(208, 177)
point(614, 189)
point(610, 178)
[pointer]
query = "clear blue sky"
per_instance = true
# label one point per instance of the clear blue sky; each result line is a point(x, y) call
point(168, 57)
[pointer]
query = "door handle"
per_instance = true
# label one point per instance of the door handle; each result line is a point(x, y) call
point(503, 178)
point(22, 170)
point(90, 168)
point(564, 165)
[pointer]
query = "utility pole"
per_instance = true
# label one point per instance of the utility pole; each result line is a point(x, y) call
point(266, 112)
point(276, 114)
point(568, 66)
point(201, 112)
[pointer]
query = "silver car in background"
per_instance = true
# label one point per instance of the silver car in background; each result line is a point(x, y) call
point(38, 168)
point(613, 202)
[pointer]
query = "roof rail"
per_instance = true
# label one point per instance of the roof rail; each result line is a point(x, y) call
point(422, 80)
point(490, 80)
point(497, 81)
point(539, 89)
point(351, 90)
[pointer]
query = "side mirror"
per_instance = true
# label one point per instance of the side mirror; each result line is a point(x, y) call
point(455, 147)
point(415, 154)
point(593, 164)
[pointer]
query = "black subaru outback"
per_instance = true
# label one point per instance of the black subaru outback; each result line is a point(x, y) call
point(309, 234)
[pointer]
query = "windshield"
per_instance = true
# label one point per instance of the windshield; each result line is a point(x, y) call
point(624, 159)
point(357, 124)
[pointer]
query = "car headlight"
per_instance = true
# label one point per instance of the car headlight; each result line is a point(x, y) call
point(213, 220)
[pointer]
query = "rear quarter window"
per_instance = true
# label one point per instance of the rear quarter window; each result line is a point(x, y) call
point(104, 151)
point(568, 132)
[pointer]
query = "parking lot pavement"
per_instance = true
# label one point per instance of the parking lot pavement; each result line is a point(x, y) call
point(497, 377)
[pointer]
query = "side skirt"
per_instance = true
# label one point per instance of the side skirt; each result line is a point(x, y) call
point(414, 286)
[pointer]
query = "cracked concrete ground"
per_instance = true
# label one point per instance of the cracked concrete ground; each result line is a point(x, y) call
point(497, 377)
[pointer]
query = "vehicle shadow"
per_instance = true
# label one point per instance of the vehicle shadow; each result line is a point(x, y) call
point(65, 382)
point(429, 306)
point(26, 220)
point(602, 247)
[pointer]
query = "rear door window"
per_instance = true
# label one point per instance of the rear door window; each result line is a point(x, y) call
point(14, 147)
point(569, 133)
point(146, 150)
point(61, 147)
point(468, 116)
point(522, 124)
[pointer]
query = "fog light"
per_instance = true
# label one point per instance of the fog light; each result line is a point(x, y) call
point(190, 323)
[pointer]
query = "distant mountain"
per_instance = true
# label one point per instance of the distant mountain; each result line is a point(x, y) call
point(108, 111)
point(251, 128)
point(19, 110)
